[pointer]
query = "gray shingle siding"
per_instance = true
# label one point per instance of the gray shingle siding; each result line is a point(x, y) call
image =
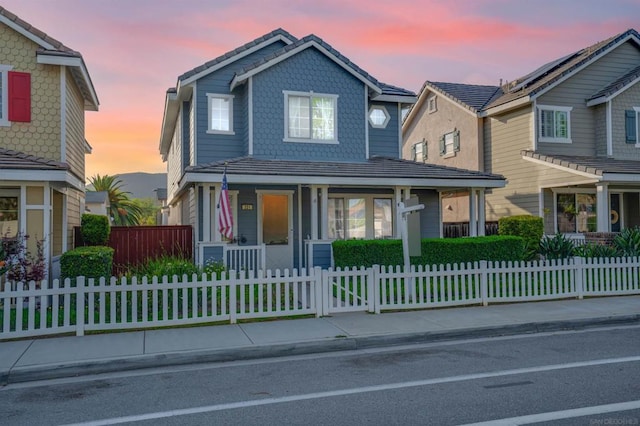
point(307, 71)
point(384, 142)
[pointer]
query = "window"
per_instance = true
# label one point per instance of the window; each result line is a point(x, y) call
point(4, 101)
point(450, 143)
point(554, 124)
point(631, 125)
point(420, 151)
point(360, 217)
point(310, 117)
point(379, 117)
point(576, 212)
point(9, 214)
point(432, 105)
point(220, 114)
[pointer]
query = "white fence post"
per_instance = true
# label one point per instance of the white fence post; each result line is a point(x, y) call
point(326, 292)
point(377, 282)
point(80, 290)
point(484, 282)
point(317, 287)
point(371, 297)
point(579, 276)
point(233, 303)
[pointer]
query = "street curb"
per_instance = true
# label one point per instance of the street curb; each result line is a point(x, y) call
point(84, 368)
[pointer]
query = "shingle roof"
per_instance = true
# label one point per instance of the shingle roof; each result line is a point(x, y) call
point(617, 85)
point(376, 167)
point(234, 52)
point(58, 46)
point(473, 96)
point(593, 165)
point(96, 197)
point(388, 89)
point(10, 159)
point(551, 72)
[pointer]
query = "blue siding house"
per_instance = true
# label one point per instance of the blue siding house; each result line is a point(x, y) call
point(311, 145)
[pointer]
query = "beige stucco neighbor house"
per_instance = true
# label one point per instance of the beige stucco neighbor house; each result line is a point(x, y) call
point(564, 136)
point(45, 89)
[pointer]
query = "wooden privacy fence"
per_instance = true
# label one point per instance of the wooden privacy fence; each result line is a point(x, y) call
point(90, 305)
point(134, 244)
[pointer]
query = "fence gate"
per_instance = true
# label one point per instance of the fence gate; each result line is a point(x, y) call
point(348, 290)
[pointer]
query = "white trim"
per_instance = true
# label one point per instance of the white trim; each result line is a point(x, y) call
point(333, 97)
point(193, 140)
point(553, 108)
point(206, 212)
point(387, 117)
point(239, 79)
point(28, 34)
point(603, 211)
point(233, 59)
point(290, 234)
point(366, 124)
point(609, 98)
point(324, 212)
point(609, 129)
point(301, 261)
point(224, 97)
point(250, 118)
point(314, 212)
point(534, 124)
point(4, 95)
point(63, 113)
point(621, 177)
point(41, 176)
point(400, 141)
point(637, 110)
point(596, 178)
point(72, 61)
point(505, 107)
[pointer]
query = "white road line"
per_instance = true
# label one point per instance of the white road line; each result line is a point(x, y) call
point(352, 391)
point(564, 414)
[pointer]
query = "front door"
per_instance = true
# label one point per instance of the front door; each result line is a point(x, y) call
point(275, 228)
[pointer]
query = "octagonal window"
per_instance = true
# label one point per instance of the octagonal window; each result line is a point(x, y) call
point(379, 117)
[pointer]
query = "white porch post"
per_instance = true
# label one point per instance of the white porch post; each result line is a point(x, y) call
point(314, 212)
point(206, 213)
point(473, 224)
point(482, 214)
point(216, 232)
point(602, 209)
point(398, 200)
point(324, 212)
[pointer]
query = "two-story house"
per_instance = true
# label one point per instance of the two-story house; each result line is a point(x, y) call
point(311, 146)
point(45, 90)
point(564, 136)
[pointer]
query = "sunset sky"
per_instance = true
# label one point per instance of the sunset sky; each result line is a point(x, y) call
point(135, 49)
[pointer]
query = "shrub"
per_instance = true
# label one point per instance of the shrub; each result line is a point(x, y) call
point(627, 242)
point(18, 263)
point(90, 262)
point(528, 227)
point(595, 250)
point(95, 229)
point(557, 247)
point(435, 251)
point(164, 265)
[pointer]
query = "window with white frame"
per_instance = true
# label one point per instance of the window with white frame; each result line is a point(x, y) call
point(420, 151)
point(554, 124)
point(631, 126)
point(311, 117)
point(378, 117)
point(220, 113)
point(576, 212)
point(360, 217)
point(9, 213)
point(4, 94)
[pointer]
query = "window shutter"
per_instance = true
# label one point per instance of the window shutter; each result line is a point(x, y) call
point(424, 150)
point(442, 147)
point(630, 126)
point(415, 155)
point(19, 96)
point(456, 141)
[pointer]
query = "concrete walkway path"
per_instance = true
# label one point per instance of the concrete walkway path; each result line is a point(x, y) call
point(56, 357)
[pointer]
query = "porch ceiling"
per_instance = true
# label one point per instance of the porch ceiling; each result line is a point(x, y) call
point(379, 171)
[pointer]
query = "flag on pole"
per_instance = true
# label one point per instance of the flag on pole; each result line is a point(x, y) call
point(225, 217)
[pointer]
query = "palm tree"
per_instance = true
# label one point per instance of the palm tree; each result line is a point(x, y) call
point(123, 210)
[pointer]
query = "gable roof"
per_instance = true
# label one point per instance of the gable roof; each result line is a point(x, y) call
point(559, 69)
point(616, 87)
point(599, 167)
point(312, 40)
point(53, 52)
point(374, 171)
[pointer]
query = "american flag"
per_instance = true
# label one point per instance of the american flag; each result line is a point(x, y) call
point(225, 218)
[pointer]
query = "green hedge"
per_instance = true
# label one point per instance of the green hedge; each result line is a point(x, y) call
point(90, 262)
point(531, 228)
point(435, 251)
point(95, 229)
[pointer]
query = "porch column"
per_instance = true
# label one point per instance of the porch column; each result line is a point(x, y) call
point(602, 209)
point(482, 214)
point(314, 212)
point(473, 224)
point(398, 200)
point(216, 232)
point(206, 213)
point(324, 212)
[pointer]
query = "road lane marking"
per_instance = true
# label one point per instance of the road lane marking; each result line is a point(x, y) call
point(352, 391)
point(564, 414)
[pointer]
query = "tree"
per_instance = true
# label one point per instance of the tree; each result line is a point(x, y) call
point(123, 210)
point(149, 210)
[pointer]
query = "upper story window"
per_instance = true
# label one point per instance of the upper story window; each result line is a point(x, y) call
point(631, 118)
point(554, 124)
point(378, 117)
point(310, 117)
point(420, 151)
point(4, 101)
point(450, 143)
point(220, 114)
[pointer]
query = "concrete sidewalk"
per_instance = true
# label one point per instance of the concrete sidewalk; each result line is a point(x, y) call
point(56, 357)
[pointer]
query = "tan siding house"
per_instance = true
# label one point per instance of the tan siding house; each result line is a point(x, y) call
point(44, 93)
point(564, 136)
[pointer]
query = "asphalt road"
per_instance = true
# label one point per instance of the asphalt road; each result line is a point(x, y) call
point(589, 377)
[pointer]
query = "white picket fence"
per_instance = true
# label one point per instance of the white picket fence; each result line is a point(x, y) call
point(91, 305)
